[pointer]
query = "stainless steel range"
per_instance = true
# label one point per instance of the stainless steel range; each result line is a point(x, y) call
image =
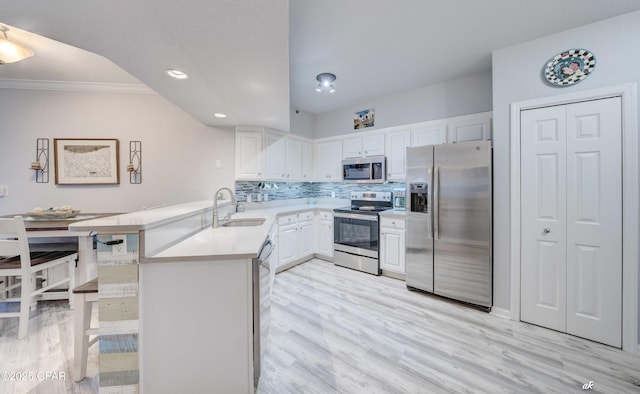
point(356, 231)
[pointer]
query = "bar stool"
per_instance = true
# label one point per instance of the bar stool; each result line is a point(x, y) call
point(86, 296)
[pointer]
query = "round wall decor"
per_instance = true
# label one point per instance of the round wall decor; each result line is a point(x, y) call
point(569, 67)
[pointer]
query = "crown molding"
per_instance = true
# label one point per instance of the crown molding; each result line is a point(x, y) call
point(73, 86)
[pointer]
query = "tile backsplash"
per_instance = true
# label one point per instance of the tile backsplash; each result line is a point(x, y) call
point(290, 190)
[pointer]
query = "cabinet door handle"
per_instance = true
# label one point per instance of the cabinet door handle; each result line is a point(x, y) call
point(546, 231)
point(365, 152)
point(259, 173)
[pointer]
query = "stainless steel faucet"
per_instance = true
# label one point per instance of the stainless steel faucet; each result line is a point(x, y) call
point(215, 223)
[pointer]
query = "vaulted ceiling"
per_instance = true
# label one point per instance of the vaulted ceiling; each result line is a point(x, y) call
point(253, 59)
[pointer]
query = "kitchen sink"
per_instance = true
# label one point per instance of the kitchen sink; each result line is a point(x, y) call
point(248, 222)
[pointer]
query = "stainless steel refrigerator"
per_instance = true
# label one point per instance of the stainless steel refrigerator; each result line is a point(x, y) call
point(449, 234)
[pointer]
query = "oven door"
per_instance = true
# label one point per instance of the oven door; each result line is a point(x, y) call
point(356, 234)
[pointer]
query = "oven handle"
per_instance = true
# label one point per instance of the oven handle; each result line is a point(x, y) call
point(371, 218)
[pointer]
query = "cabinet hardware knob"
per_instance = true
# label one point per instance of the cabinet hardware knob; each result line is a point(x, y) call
point(546, 231)
point(365, 152)
point(259, 173)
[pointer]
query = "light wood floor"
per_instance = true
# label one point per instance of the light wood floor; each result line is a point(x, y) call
point(337, 330)
point(48, 347)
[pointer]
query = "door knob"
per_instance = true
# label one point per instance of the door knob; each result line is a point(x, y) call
point(546, 231)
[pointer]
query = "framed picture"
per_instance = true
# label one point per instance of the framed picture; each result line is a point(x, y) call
point(86, 161)
point(362, 119)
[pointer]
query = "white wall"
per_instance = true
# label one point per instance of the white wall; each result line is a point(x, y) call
point(302, 123)
point(461, 96)
point(178, 152)
point(517, 76)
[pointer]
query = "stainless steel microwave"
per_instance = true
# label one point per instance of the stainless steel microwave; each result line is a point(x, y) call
point(364, 169)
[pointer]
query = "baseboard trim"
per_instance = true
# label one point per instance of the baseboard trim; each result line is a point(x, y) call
point(501, 313)
point(394, 275)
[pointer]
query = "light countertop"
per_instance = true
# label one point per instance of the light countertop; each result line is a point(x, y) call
point(217, 243)
point(394, 213)
point(234, 242)
point(143, 220)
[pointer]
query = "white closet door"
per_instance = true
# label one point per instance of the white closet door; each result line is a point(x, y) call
point(594, 220)
point(571, 188)
point(543, 243)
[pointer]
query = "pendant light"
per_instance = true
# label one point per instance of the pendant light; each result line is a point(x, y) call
point(11, 51)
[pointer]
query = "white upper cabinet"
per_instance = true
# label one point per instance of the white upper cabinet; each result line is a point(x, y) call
point(373, 145)
point(396, 145)
point(329, 161)
point(275, 160)
point(293, 160)
point(474, 127)
point(249, 155)
point(351, 147)
point(363, 145)
point(283, 159)
point(429, 133)
point(307, 161)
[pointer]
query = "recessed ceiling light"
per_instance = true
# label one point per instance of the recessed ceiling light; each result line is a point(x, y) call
point(177, 74)
point(219, 115)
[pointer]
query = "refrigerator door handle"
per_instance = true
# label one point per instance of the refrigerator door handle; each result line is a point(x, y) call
point(430, 200)
point(436, 203)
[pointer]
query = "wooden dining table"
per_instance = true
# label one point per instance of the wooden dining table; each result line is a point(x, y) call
point(51, 233)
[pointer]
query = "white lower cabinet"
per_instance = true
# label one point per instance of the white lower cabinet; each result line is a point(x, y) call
point(324, 244)
point(288, 239)
point(392, 243)
point(295, 238)
point(305, 234)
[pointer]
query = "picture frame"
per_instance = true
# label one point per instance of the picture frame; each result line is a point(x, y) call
point(363, 119)
point(86, 161)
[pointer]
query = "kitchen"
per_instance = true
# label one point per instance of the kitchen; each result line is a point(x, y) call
point(193, 167)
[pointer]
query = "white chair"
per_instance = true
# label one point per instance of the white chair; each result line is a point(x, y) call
point(86, 296)
point(17, 262)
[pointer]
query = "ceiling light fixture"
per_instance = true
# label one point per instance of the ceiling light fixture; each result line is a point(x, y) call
point(219, 115)
point(11, 51)
point(177, 74)
point(325, 83)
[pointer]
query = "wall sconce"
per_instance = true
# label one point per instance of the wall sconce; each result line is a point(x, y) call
point(134, 168)
point(41, 165)
point(11, 51)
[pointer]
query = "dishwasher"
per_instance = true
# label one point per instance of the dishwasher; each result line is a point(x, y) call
point(263, 276)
